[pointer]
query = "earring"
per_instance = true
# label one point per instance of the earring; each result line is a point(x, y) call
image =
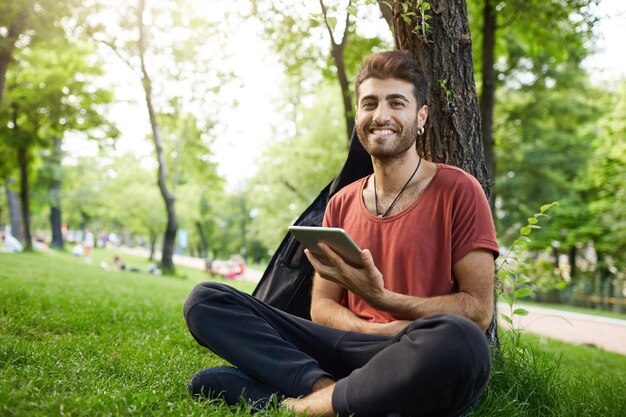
point(420, 131)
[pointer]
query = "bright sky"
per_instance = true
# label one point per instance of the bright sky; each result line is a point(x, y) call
point(243, 132)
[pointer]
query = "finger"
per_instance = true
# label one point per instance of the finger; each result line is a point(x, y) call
point(368, 261)
point(334, 257)
point(325, 271)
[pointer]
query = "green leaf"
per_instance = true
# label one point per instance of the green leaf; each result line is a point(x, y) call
point(523, 292)
point(507, 299)
point(532, 220)
point(525, 231)
point(506, 318)
point(332, 22)
point(425, 6)
point(520, 312)
point(352, 9)
point(547, 207)
point(534, 226)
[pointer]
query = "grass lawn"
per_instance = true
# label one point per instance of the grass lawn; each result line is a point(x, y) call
point(79, 340)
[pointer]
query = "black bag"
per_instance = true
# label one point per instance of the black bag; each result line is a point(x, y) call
point(286, 283)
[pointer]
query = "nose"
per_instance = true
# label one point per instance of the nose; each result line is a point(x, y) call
point(381, 115)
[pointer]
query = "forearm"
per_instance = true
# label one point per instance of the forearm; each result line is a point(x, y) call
point(463, 304)
point(330, 313)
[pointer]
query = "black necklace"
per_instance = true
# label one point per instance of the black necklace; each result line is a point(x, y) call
point(399, 194)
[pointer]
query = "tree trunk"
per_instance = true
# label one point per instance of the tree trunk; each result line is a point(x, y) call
point(22, 160)
point(337, 50)
point(202, 247)
point(169, 238)
point(54, 195)
point(15, 215)
point(619, 295)
point(6, 51)
point(153, 240)
point(445, 55)
point(487, 95)
point(442, 46)
point(572, 255)
point(387, 13)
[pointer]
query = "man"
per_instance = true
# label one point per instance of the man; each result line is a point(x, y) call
point(403, 334)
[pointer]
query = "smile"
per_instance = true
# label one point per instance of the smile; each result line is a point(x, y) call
point(383, 132)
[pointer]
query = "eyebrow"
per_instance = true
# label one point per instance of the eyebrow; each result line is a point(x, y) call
point(395, 96)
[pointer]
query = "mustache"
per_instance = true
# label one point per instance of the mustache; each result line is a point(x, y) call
point(373, 124)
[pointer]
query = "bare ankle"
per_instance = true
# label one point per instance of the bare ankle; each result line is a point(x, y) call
point(323, 382)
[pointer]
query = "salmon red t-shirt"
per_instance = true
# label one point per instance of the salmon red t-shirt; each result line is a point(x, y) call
point(416, 248)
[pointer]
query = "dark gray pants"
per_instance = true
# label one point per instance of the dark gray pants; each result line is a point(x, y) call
point(437, 366)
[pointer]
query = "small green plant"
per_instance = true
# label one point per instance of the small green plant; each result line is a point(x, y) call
point(444, 85)
point(512, 273)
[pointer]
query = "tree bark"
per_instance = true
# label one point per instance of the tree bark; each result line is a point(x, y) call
point(54, 193)
point(487, 95)
point(169, 238)
point(387, 13)
point(442, 47)
point(22, 160)
point(15, 214)
point(453, 133)
point(337, 52)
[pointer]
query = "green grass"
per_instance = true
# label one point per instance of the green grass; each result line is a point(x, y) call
point(79, 340)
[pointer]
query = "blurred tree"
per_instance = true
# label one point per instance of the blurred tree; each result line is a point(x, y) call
point(48, 93)
point(515, 41)
point(23, 23)
point(543, 144)
point(604, 185)
point(291, 170)
point(294, 35)
point(159, 43)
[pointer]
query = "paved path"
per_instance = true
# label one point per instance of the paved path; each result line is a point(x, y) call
point(606, 333)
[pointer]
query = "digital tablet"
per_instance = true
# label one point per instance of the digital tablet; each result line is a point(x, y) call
point(334, 237)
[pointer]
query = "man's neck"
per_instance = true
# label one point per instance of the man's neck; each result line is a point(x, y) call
point(391, 175)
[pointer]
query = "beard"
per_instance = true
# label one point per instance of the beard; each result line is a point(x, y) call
point(388, 149)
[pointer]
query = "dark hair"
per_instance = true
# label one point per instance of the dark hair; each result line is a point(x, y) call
point(393, 64)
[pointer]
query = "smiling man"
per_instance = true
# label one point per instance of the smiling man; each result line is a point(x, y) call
point(403, 334)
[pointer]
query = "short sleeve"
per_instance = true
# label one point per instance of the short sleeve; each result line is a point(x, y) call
point(472, 223)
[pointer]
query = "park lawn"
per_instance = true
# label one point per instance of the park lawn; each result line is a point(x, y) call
point(76, 340)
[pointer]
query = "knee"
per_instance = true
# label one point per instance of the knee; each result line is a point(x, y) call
point(457, 350)
point(200, 292)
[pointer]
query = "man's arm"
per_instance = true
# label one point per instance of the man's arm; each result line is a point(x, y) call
point(326, 309)
point(474, 275)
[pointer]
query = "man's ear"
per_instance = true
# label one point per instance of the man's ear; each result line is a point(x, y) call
point(422, 115)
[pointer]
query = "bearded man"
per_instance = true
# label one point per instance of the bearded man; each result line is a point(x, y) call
point(404, 333)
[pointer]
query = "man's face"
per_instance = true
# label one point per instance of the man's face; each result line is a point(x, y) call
point(387, 117)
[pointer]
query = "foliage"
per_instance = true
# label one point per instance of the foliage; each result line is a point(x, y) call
point(512, 273)
point(604, 180)
point(534, 37)
point(293, 171)
point(543, 139)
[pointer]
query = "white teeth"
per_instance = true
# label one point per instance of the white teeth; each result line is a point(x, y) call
point(382, 132)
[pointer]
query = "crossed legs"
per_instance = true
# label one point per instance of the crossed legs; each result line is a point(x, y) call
point(437, 366)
